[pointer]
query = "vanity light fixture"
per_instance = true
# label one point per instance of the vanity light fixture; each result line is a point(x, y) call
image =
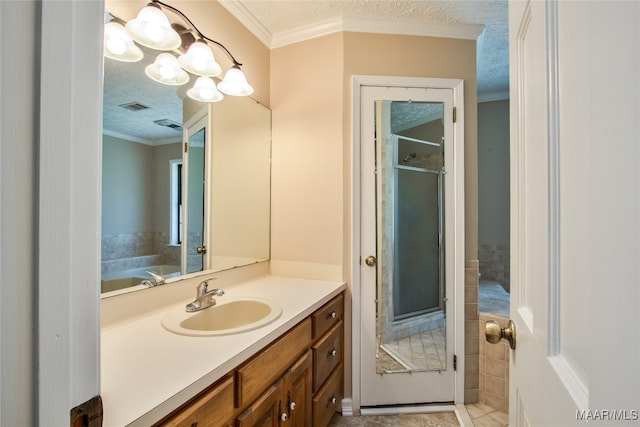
point(199, 60)
point(235, 83)
point(166, 70)
point(152, 29)
point(204, 90)
point(117, 43)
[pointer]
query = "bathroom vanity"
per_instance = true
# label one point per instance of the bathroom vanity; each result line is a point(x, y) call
point(286, 373)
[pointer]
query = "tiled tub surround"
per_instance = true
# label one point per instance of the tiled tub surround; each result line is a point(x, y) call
point(493, 299)
point(137, 250)
point(494, 263)
point(147, 371)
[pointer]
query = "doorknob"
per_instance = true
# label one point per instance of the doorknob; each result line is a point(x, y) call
point(201, 250)
point(370, 260)
point(494, 333)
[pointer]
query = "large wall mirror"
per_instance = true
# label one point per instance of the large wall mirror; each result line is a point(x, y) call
point(185, 185)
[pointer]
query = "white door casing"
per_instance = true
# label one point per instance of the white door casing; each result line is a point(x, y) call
point(376, 389)
point(575, 213)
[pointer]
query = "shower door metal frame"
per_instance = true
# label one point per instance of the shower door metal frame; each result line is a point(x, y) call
point(396, 280)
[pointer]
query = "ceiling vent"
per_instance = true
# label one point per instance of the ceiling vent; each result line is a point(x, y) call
point(134, 106)
point(170, 124)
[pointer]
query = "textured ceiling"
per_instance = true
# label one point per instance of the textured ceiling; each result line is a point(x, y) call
point(271, 20)
point(279, 17)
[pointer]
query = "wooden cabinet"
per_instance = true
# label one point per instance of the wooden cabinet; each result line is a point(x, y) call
point(327, 400)
point(255, 376)
point(211, 408)
point(265, 411)
point(296, 381)
point(328, 383)
point(286, 403)
point(297, 393)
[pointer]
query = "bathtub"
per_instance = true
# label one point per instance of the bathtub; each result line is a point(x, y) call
point(119, 280)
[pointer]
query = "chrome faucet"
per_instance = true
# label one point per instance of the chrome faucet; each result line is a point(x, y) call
point(204, 298)
point(157, 279)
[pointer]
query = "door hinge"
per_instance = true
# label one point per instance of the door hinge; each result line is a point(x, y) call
point(89, 413)
point(455, 110)
point(186, 147)
point(455, 362)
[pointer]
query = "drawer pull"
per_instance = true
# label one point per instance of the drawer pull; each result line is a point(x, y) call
point(284, 416)
point(332, 315)
point(333, 353)
point(332, 400)
point(292, 406)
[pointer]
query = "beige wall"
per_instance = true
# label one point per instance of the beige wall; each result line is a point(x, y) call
point(311, 103)
point(307, 173)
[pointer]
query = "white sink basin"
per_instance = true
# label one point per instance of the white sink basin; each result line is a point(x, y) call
point(228, 316)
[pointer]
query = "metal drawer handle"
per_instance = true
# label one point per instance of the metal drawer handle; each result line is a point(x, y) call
point(333, 353)
point(332, 315)
point(332, 400)
point(292, 406)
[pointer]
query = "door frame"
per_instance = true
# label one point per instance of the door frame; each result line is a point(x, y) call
point(458, 240)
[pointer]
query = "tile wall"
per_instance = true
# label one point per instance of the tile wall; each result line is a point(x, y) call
point(494, 368)
point(471, 317)
point(494, 263)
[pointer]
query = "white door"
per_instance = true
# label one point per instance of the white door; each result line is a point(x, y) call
point(575, 222)
point(407, 245)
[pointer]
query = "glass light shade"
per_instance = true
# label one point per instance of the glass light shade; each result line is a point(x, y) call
point(151, 28)
point(199, 60)
point(118, 45)
point(204, 90)
point(166, 70)
point(235, 83)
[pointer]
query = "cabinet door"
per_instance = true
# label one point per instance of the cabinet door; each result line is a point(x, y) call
point(297, 393)
point(213, 408)
point(265, 411)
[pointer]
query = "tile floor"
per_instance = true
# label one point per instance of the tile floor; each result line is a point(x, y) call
point(443, 419)
point(421, 352)
point(481, 416)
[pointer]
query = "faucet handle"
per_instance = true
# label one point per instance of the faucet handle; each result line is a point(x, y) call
point(202, 286)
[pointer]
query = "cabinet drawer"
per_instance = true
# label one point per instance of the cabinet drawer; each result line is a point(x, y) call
point(213, 407)
point(265, 411)
point(328, 400)
point(327, 316)
point(263, 370)
point(327, 353)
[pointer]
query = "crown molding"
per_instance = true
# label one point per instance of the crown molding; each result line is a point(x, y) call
point(240, 12)
point(145, 141)
point(339, 24)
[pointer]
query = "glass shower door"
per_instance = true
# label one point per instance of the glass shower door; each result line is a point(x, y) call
point(417, 254)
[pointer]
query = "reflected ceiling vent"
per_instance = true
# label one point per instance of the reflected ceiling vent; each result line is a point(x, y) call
point(170, 124)
point(134, 106)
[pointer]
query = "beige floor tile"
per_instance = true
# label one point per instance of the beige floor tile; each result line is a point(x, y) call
point(478, 409)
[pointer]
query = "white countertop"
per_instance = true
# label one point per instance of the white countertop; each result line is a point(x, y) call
point(146, 371)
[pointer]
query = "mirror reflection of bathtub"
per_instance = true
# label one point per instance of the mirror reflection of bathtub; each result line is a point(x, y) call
point(117, 281)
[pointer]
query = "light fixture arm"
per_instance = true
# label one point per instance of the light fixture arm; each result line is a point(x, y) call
point(173, 9)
